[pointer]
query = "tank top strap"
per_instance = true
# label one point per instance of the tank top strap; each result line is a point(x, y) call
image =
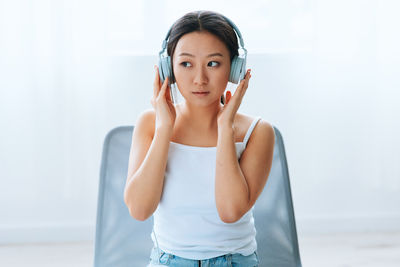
point(250, 130)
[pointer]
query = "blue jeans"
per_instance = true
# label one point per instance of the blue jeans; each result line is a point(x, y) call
point(228, 260)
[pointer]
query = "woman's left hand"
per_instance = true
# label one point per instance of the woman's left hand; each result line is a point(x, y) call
point(227, 113)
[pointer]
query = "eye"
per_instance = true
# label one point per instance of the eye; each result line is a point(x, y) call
point(213, 62)
point(184, 64)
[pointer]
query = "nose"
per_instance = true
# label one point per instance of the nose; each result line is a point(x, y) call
point(200, 76)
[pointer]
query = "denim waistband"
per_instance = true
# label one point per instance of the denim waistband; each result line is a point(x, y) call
point(161, 258)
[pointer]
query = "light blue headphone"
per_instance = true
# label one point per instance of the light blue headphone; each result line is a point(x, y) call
point(238, 64)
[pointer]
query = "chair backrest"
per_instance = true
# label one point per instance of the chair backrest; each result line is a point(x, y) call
point(274, 215)
point(123, 241)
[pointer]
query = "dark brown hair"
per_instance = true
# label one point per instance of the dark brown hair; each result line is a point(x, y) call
point(203, 20)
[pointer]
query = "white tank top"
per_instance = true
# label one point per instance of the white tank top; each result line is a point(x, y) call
point(186, 222)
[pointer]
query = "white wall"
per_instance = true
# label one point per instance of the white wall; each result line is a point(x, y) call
point(325, 73)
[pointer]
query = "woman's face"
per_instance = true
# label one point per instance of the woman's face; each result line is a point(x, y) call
point(201, 64)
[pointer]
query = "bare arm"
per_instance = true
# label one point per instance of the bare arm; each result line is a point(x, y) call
point(238, 185)
point(147, 163)
point(149, 153)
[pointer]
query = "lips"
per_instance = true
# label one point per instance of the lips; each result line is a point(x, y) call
point(202, 93)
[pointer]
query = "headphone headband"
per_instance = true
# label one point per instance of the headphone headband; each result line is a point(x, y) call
point(236, 30)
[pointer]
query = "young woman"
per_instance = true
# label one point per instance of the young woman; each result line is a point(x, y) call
point(199, 166)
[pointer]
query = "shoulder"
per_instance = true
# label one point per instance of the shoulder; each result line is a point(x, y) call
point(145, 122)
point(263, 130)
point(258, 153)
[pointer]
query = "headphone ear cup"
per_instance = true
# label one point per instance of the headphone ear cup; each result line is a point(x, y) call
point(238, 67)
point(232, 74)
point(242, 71)
point(164, 68)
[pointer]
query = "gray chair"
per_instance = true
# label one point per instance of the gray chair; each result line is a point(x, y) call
point(122, 241)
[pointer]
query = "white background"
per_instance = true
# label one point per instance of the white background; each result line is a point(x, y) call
point(326, 73)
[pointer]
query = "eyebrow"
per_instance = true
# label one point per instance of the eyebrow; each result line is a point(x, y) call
point(210, 55)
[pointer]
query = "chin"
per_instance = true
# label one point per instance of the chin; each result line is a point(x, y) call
point(204, 103)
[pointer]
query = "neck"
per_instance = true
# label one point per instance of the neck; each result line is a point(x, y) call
point(204, 118)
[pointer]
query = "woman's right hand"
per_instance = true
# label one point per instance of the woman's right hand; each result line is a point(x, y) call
point(162, 104)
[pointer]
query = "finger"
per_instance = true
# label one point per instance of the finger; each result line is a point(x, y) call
point(245, 78)
point(168, 94)
point(160, 81)
point(156, 84)
point(228, 96)
point(163, 88)
point(248, 74)
point(239, 89)
point(244, 84)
